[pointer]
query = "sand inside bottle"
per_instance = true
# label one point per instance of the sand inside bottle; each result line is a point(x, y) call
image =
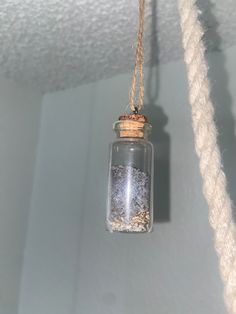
point(130, 199)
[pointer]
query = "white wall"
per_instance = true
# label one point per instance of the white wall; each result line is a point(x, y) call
point(19, 125)
point(72, 265)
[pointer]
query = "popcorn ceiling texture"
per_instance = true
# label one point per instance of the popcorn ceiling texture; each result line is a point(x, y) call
point(57, 44)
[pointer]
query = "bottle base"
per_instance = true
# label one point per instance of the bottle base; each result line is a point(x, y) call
point(122, 227)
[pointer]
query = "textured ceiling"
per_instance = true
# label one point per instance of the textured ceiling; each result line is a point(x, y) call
point(57, 44)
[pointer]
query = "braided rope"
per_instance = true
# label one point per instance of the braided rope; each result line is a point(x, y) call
point(138, 66)
point(205, 132)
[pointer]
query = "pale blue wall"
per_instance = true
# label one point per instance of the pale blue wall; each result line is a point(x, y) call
point(72, 265)
point(20, 111)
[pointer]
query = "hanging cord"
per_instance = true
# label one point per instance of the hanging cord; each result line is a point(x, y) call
point(138, 66)
point(205, 132)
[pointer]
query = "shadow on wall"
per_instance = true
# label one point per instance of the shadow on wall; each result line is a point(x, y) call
point(221, 97)
point(159, 137)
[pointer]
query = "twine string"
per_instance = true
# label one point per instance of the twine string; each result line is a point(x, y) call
point(137, 78)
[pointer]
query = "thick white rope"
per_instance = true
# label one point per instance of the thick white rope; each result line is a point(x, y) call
point(214, 182)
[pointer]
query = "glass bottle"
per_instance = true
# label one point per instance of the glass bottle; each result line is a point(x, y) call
point(130, 180)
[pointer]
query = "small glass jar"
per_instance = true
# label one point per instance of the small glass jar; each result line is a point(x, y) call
point(130, 183)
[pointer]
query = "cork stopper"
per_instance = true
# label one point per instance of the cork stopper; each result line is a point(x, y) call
point(132, 125)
